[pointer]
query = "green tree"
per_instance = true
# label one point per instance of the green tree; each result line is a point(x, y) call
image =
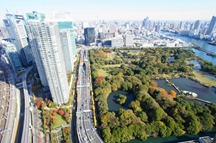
point(106, 134)
point(121, 99)
point(143, 116)
point(193, 125)
point(156, 114)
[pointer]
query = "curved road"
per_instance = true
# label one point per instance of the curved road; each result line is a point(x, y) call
point(26, 133)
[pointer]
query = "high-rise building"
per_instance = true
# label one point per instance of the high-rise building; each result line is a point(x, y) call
point(12, 56)
point(35, 16)
point(197, 27)
point(15, 25)
point(181, 25)
point(48, 54)
point(89, 34)
point(212, 25)
point(3, 33)
point(145, 23)
point(197, 24)
point(68, 44)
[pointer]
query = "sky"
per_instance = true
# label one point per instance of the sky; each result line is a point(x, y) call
point(116, 9)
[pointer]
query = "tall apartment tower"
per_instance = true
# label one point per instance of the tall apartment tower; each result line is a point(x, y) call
point(89, 34)
point(15, 25)
point(48, 54)
point(212, 25)
point(68, 44)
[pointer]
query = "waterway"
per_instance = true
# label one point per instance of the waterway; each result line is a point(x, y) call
point(113, 106)
point(201, 43)
point(203, 92)
point(197, 66)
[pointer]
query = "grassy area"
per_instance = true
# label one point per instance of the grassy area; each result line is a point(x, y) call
point(102, 72)
point(203, 80)
point(112, 66)
point(59, 121)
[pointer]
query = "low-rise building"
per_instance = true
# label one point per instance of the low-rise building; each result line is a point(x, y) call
point(117, 42)
point(128, 41)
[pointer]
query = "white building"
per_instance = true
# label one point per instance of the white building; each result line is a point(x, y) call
point(15, 25)
point(47, 51)
point(67, 48)
point(117, 42)
point(147, 44)
point(129, 42)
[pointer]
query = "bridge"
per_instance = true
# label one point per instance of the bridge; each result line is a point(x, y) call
point(173, 85)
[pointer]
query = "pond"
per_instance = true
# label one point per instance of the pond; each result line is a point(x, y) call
point(197, 66)
point(203, 92)
point(171, 59)
point(113, 105)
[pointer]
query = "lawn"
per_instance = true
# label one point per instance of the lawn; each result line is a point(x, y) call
point(203, 80)
point(102, 72)
point(59, 121)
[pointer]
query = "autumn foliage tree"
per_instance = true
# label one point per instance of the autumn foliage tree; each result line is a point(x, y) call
point(99, 80)
point(38, 102)
point(61, 112)
point(102, 53)
point(154, 84)
point(173, 93)
point(163, 93)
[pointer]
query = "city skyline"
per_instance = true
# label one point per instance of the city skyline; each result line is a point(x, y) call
point(117, 10)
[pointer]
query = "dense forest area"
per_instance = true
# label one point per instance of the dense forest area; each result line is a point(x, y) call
point(154, 111)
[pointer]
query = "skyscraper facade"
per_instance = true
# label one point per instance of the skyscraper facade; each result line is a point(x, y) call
point(45, 40)
point(145, 23)
point(197, 27)
point(212, 25)
point(68, 44)
point(3, 33)
point(35, 16)
point(12, 55)
point(89, 34)
point(15, 25)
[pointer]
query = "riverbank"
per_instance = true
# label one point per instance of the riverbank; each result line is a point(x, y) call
point(198, 77)
point(194, 75)
point(202, 43)
point(187, 84)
